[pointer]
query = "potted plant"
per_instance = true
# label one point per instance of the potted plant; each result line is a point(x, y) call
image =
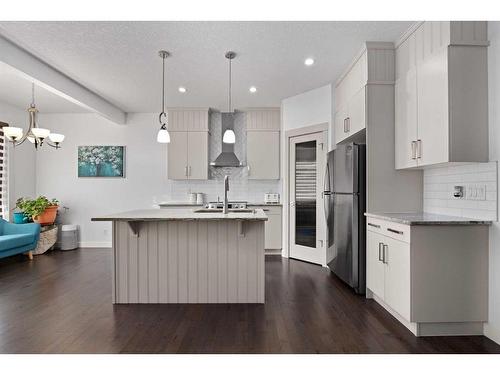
point(41, 209)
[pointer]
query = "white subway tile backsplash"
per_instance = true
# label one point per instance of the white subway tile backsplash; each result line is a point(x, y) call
point(440, 182)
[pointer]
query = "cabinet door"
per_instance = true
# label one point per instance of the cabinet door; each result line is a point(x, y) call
point(263, 155)
point(273, 231)
point(356, 112)
point(339, 125)
point(197, 155)
point(433, 125)
point(177, 156)
point(397, 276)
point(375, 268)
point(406, 120)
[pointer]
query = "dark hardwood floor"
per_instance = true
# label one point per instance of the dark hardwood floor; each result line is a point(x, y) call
point(61, 303)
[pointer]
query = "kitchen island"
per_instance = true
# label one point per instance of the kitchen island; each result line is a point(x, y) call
point(183, 256)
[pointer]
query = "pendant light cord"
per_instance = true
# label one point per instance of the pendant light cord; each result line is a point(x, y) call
point(163, 87)
point(32, 94)
point(230, 85)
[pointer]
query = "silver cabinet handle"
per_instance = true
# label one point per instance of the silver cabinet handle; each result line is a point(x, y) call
point(186, 171)
point(348, 124)
point(419, 149)
point(395, 231)
point(248, 169)
point(189, 171)
point(414, 150)
point(385, 253)
point(380, 249)
point(345, 127)
point(374, 225)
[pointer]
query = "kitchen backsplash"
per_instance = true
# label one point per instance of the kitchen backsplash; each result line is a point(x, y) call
point(440, 182)
point(240, 187)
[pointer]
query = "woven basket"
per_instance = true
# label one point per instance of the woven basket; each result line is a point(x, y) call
point(47, 239)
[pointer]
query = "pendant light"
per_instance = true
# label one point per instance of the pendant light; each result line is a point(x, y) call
point(229, 136)
point(163, 135)
point(35, 135)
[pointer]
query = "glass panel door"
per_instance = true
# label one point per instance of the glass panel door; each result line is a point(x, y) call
point(305, 193)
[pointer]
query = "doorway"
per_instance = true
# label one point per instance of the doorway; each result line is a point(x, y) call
point(306, 219)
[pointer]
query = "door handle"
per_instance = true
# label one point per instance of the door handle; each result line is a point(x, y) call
point(419, 149)
point(292, 204)
point(413, 150)
point(380, 248)
point(385, 253)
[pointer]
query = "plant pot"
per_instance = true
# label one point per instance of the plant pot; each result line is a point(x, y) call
point(47, 217)
point(20, 218)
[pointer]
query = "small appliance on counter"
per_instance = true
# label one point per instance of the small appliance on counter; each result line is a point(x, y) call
point(271, 198)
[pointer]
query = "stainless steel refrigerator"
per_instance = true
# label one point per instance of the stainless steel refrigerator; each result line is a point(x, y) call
point(345, 204)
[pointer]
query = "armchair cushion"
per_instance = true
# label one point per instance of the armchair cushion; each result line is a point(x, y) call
point(11, 241)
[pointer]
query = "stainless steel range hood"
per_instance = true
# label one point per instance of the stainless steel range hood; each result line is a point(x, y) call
point(227, 157)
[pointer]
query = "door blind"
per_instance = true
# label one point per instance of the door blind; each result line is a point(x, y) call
point(3, 174)
point(305, 181)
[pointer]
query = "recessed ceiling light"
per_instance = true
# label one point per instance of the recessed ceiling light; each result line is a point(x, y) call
point(253, 89)
point(182, 89)
point(309, 61)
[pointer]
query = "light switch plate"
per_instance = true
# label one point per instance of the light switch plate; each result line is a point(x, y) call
point(475, 192)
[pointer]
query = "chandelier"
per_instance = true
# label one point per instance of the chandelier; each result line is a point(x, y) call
point(37, 136)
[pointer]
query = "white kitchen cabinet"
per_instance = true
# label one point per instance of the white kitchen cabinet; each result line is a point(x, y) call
point(352, 119)
point(263, 143)
point(433, 278)
point(263, 155)
point(375, 270)
point(441, 113)
point(187, 152)
point(273, 227)
point(188, 155)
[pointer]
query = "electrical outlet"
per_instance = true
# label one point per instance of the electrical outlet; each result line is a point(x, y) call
point(476, 192)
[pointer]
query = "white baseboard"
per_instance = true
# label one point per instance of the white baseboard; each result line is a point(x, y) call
point(492, 333)
point(94, 244)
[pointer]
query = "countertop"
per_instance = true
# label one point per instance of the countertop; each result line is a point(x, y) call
point(185, 214)
point(183, 204)
point(424, 218)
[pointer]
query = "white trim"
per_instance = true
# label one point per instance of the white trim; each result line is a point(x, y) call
point(491, 332)
point(407, 33)
point(94, 244)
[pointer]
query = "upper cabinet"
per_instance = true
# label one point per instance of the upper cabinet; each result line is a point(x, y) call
point(188, 148)
point(263, 144)
point(441, 94)
point(373, 65)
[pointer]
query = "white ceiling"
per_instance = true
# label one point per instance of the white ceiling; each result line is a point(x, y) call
point(119, 60)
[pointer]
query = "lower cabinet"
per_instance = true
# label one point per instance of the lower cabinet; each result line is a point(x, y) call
point(432, 278)
point(273, 227)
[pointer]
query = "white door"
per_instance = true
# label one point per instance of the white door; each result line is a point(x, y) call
point(177, 156)
point(375, 269)
point(357, 111)
point(197, 151)
point(433, 126)
point(263, 155)
point(307, 220)
point(397, 276)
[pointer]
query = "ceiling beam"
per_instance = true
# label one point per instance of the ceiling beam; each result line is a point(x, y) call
point(34, 69)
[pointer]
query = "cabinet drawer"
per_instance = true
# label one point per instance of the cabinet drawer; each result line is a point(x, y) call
point(400, 232)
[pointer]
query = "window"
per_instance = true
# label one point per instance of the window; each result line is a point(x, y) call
point(3, 175)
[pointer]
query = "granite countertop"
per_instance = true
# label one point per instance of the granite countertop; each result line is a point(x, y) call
point(182, 204)
point(186, 214)
point(424, 218)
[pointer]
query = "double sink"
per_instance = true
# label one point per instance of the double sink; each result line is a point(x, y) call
point(215, 210)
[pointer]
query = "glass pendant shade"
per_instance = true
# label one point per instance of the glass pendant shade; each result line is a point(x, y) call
point(40, 132)
point(163, 136)
point(31, 138)
point(229, 136)
point(12, 132)
point(56, 138)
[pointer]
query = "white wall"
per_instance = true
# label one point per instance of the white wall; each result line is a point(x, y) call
point(492, 329)
point(313, 107)
point(21, 160)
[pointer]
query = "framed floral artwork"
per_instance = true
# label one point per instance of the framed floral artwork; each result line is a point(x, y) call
point(101, 161)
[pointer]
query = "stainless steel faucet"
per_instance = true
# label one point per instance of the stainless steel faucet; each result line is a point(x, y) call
point(226, 189)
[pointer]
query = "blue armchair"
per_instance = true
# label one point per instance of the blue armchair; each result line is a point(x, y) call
point(18, 238)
